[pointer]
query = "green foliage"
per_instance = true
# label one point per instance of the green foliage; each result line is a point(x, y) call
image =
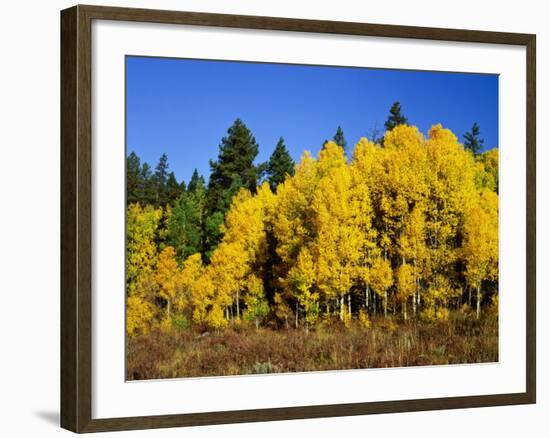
point(180, 322)
point(173, 189)
point(235, 164)
point(133, 178)
point(196, 182)
point(185, 224)
point(395, 118)
point(338, 138)
point(257, 306)
point(280, 165)
point(472, 140)
point(160, 179)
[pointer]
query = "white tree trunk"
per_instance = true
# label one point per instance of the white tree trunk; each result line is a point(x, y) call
point(478, 306)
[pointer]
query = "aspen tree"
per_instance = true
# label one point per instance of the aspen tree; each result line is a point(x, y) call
point(166, 276)
point(338, 244)
point(381, 278)
point(480, 250)
point(302, 277)
point(141, 255)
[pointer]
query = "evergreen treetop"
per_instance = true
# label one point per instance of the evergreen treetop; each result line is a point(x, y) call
point(280, 165)
point(395, 118)
point(472, 140)
point(237, 152)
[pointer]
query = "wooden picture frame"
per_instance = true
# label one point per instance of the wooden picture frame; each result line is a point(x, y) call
point(76, 218)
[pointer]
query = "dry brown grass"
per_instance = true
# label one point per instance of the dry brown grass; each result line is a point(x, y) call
point(330, 346)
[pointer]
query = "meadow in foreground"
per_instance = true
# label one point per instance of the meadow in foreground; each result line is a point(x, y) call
point(247, 350)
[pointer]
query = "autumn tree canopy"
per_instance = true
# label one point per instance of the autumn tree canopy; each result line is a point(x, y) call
point(409, 229)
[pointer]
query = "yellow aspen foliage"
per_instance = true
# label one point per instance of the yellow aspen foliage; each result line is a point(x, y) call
point(381, 279)
point(364, 319)
point(141, 255)
point(202, 297)
point(242, 248)
point(411, 226)
point(451, 181)
point(480, 249)
point(440, 291)
point(191, 273)
point(292, 222)
point(302, 277)
point(339, 241)
point(487, 170)
point(282, 309)
point(167, 276)
point(227, 272)
point(139, 314)
point(215, 318)
point(141, 252)
point(363, 169)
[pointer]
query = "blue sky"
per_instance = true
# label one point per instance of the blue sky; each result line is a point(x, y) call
point(184, 107)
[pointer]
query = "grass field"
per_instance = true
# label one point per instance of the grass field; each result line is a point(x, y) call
point(329, 346)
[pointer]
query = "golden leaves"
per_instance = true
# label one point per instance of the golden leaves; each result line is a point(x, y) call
point(416, 217)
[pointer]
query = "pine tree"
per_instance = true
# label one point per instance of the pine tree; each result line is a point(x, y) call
point(147, 188)
point(173, 189)
point(472, 141)
point(338, 138)
point(133, 178)
point(237, 152)
point(195, 181)
point(395, 118)
point(280, 165)
point(160, 180)
point(187, 222)
point(212, 225)
point(233, 169)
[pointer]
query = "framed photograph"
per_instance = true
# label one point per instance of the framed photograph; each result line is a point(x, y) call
point(270, 218)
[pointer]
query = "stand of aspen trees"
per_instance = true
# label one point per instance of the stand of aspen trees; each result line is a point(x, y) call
point(408, 228)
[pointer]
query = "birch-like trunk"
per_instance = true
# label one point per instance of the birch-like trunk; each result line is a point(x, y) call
point(478, 305)
point(415, 288)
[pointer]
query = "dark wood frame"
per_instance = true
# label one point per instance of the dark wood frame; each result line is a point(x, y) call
point(76, 237)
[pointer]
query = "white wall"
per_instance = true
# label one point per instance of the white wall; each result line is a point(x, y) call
point(29, 218)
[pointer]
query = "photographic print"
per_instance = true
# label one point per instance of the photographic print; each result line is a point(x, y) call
point(296, 218)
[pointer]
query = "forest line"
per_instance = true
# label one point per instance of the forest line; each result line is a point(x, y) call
point(406, 226)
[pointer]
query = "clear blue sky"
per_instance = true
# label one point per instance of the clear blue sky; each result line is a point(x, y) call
point(184, 107)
